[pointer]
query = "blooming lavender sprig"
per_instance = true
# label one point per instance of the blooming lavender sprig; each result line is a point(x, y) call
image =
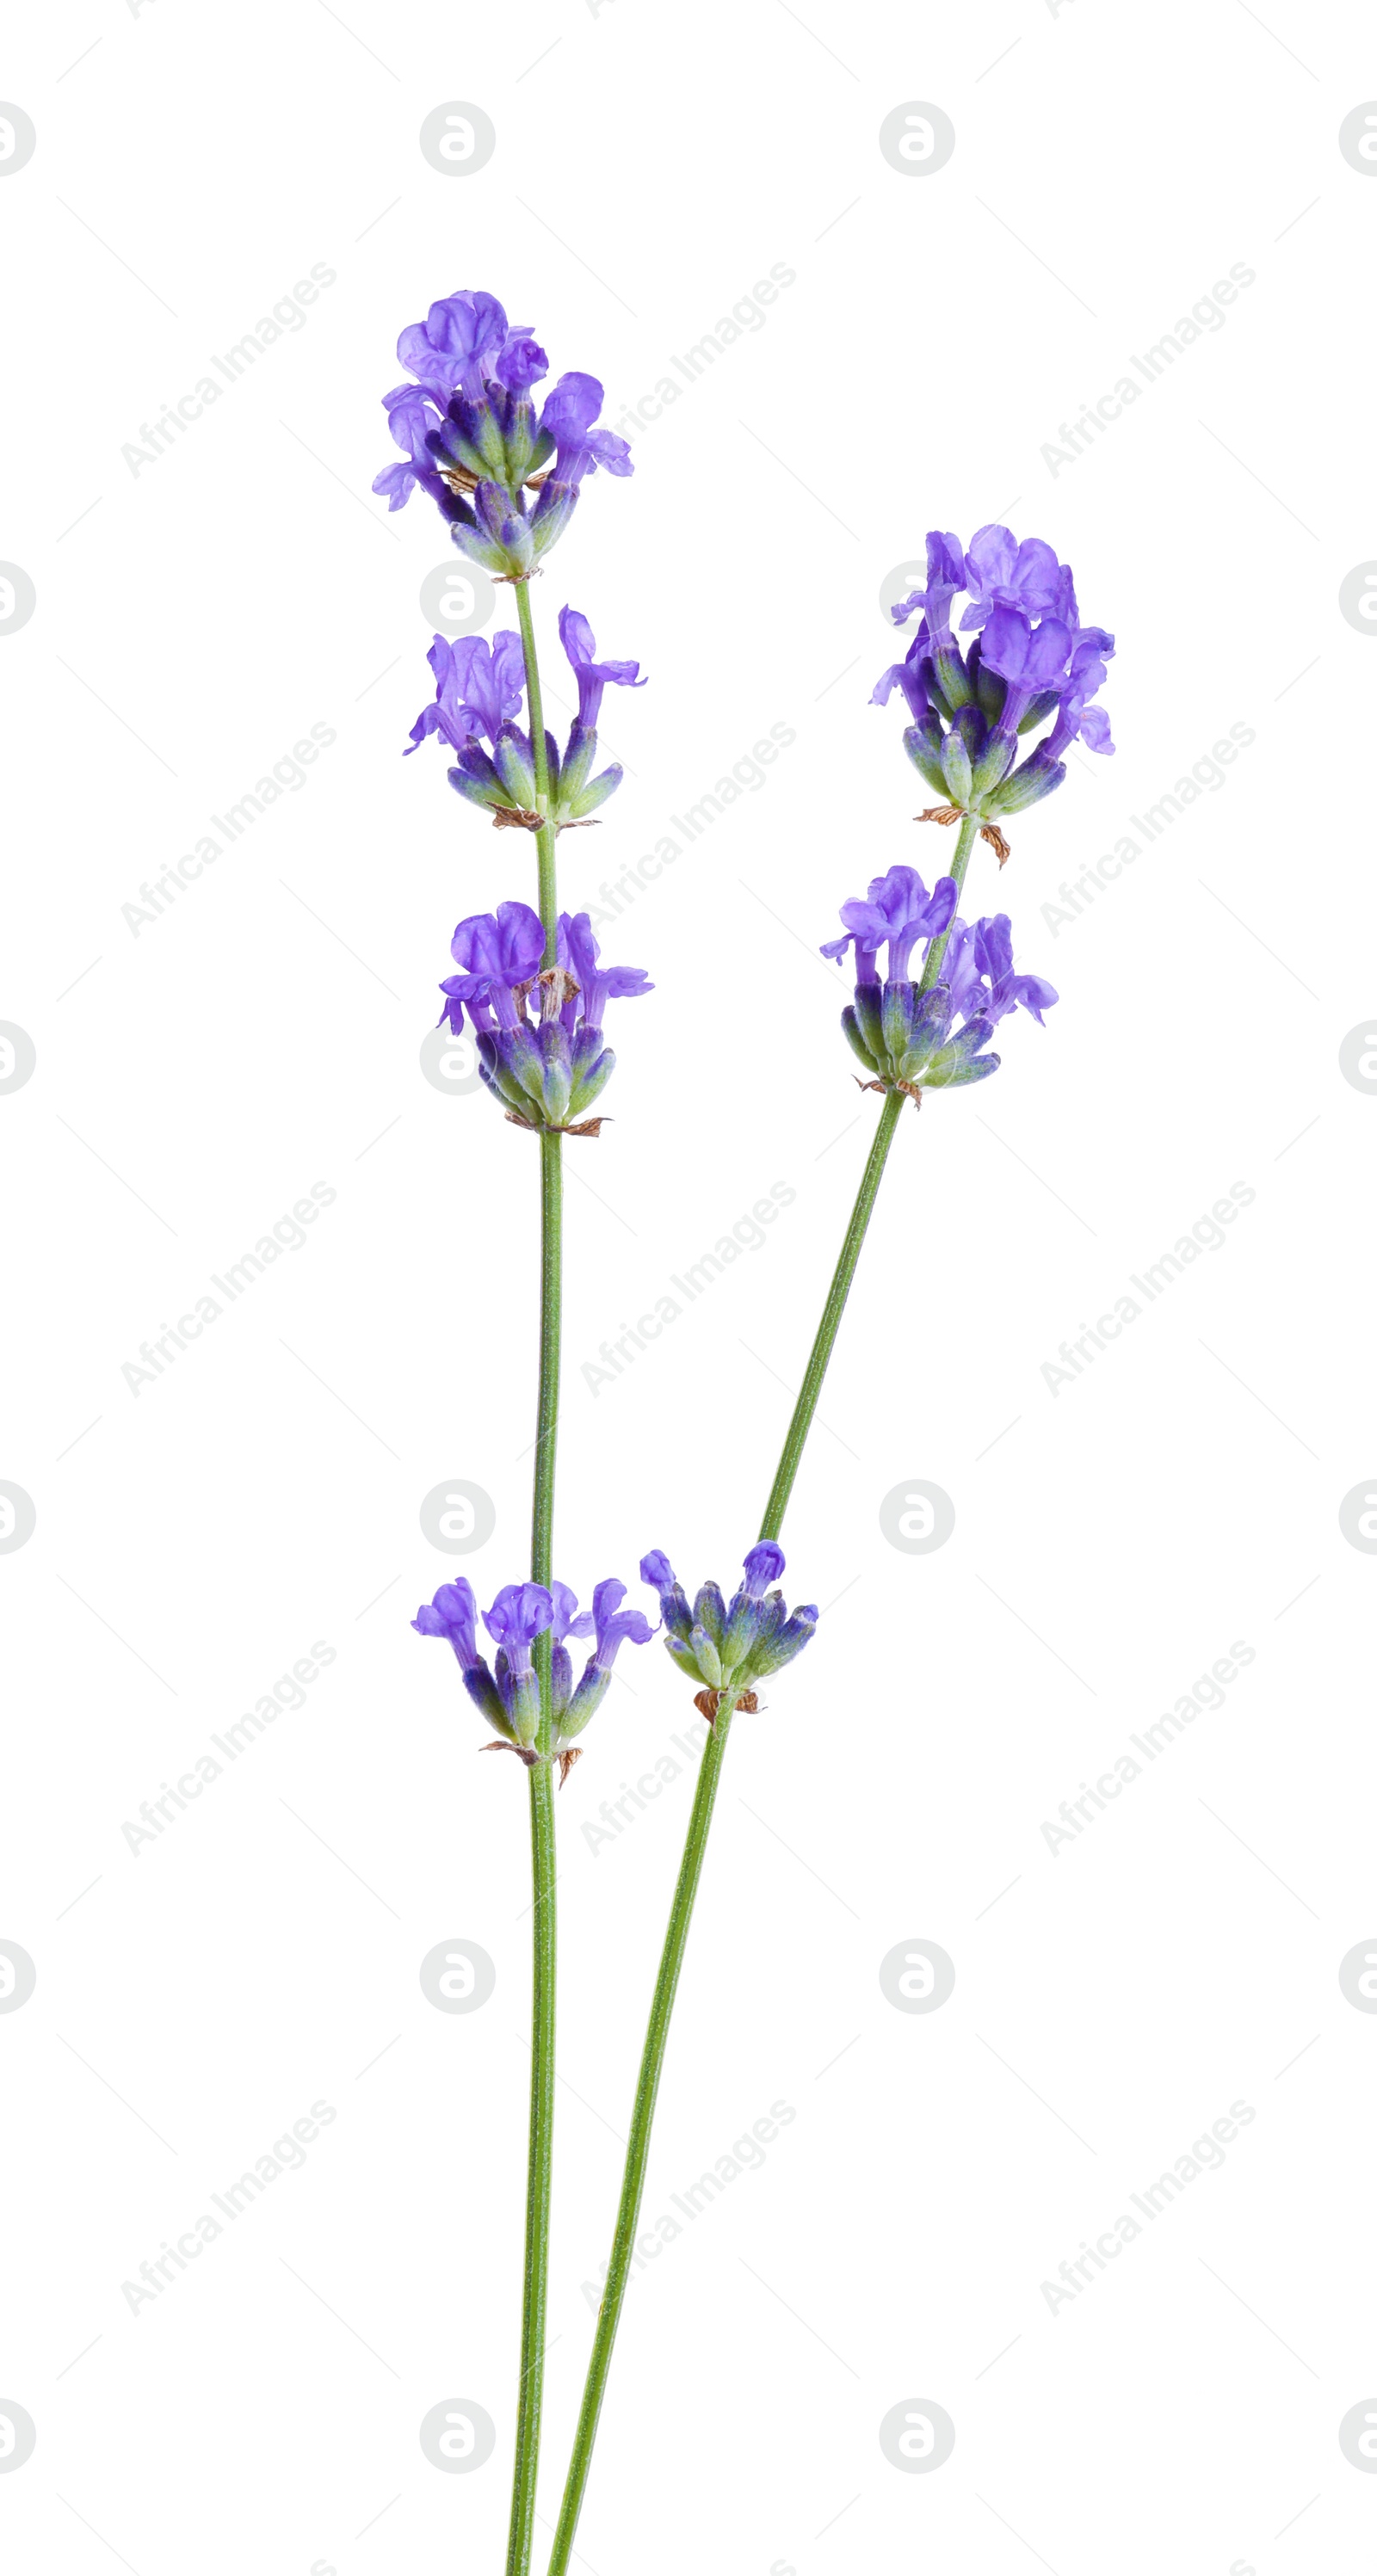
point(478, 697)
point(507, 1693)
point(906, 1033)
point(546, 1072)
point(1031, 659)
point(728, 1645)
point(470, 436)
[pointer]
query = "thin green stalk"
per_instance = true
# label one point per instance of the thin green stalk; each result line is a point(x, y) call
point(965, 843)
point(690, 1868)
point(536, 2270)
point(540, 2152)
point(638, 2144)
point(548, 905)
point(801, 1421)
point(804, 1410)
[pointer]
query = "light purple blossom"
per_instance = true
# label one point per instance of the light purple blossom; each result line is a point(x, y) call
point(897, 910)
point(571, 410)
point(477, 690)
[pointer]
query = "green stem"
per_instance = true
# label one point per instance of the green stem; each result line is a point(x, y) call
point(540, 2152)
point(804, 1410)
point(547, 1403)
point(536, 2274)
point(965, 843)
point(801, 1422)
point(638, 2144)
point(690, 1868)
point(545, 837)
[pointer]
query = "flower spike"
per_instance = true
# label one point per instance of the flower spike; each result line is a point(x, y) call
point(728, 1645)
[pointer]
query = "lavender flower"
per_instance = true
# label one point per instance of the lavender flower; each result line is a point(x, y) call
point(1031, 659)
point(470, 436)
point(477, 691)
point(454, 1614)
point(897, 910)
point(508, 1693)
point(547, 1072)
point(521, 1613)
point(613, 1627)
point(726, 1646)
point(907, 1038)
point(477, 696)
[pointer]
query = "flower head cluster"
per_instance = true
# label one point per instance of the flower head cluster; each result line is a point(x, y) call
point(1030, 659)
point(728, 1645)
point(470, 435)
point(478, 697)
point(508, 1692)
point(546, 1071)
point(906, 1033)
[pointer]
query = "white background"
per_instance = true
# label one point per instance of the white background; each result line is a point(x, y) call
point(1112, 1539)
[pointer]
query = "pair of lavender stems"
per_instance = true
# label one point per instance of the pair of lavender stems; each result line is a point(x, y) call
point(534, 991)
